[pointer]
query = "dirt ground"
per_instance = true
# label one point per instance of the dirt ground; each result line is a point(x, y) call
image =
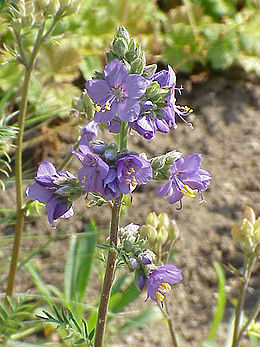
point(227, 133)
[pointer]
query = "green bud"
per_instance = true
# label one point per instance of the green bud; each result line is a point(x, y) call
point(127, 245)
point(53, 8)
point(150, 232)
point(110, 56)
point(149, 70)
point(137, 66)
point(152, 219)
point(133, 51)
point(162, 236)
point(152, 90)
point(163, 220)
point(244, 236)
point(73, 7)
point(121, 32)
point(250, 214)
point(120, 47)
point(41, 4)
point(64, 3)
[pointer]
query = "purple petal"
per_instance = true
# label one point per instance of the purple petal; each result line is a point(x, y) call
point(115, 73)
point(191, 163)
point(98, 90)
point(135, 85)
point(46, 169)
point(36, 192)
point(128, 110)
point(108, 115)
point(164, 189)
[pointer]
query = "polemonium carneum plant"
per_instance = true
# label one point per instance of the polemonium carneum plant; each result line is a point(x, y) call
point(127, 96)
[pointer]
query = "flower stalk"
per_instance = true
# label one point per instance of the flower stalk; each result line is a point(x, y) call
point(111, 259)
point(165, 313)
point(247, 271)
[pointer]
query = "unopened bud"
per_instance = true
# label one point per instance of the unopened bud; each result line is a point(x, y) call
point(162, 236)
point(41, 4)
point(152, 90)
point(64, 3)
point(173, 231)
point(163, 220)
point(98, 148)
point(150, 232)
point(149, 71)
point(73, 7)
point(128, 246)
point(110, 154)
point(152, 219)
point(53, 7)
point(133, 51)
point(250, 214)
point(137, 66)
point(120, 47)
point(121, 32)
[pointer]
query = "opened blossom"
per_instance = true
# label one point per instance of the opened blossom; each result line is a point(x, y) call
point(45, 189)
point(186, 179)
point(159, 281)
point(117, 95)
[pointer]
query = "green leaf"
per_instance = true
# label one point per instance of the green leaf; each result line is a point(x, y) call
point(91, 334)
point(223, 52)
point(221, 301)
point(125, 298)
point(79, 263)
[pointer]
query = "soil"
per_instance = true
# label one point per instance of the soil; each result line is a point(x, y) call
point(227, 133)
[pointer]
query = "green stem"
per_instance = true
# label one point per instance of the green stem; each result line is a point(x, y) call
point(111, 258)
point(18, 164)
point(247, 270)
point(252, 316)
point(169, 322)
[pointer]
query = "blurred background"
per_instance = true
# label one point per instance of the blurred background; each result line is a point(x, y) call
point(214, 47)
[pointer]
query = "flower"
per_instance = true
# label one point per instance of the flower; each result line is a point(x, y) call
point(131, 171)
point(47, 183)
point(160, 281)
point(117, 95)
point(185, 179)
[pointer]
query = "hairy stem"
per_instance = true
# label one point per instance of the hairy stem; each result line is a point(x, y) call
point(169, 322)
point(111, 259)
point(247, 270)
point(18, 164)
point(109, 278)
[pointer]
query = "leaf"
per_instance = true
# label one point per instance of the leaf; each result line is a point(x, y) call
point(125, 298)
point(223, 52)
point(221, 301)
point(79, 263)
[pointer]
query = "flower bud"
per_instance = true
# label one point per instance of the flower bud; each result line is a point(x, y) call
point(64, 3)
point(133, 51)
point(120, 47)
point(146, 257)
point(163, 220)
point(152, 219)
point(134, 263)
point(98, 148)
point(150, 232)
point(173, 231)
point(152, 90)
point(137, 66)
point(250, 214)
point(41, 4)
point(110, 154)
point(128, 246)
point(53, 7)
point(244, 235)
point(162, 236)
point(149, 71)
point(73, 7)
point(121, 32)
point(110, 56)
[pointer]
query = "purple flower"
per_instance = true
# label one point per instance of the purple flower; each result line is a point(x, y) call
point(144, 126)
point(131, 171)
point(160, 281)
point(111, 189)
point(185, 179)
point(168, 79)
point(118, 94)
point(43, 190)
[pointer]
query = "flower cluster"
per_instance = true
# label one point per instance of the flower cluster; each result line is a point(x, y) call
point(107, 171)
point(148, 105)
point(50, 187)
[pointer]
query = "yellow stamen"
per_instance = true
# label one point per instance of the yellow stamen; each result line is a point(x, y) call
point(98, 108)
point(187, 191)
point(165, 287)
point(108, 107)
point(133, 178)
point(127, 181)
point(84, 179)
point(77, 180)
point(133, 184)
point(160, 296)
point(131, 169)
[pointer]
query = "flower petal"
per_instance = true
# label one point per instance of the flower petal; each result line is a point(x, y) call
point(36, 192)
point(98, 90)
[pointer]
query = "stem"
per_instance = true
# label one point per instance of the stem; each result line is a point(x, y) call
point(252, 316)
point(111, 258)
point(109, 277)
point(169, 322)
point(18, 165)
point(248, 267)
